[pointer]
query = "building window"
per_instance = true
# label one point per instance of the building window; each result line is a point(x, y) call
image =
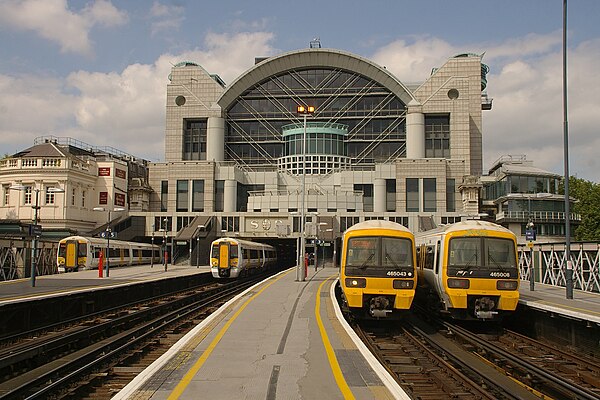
point(194, 140)
point(347, 222)
point(73, 192)
point(182, 195)
point(429, 195)
point(198, 195)
point(219, 195)
point(400, 220)
point(367, 190)
point(412, 194)
point(437, 136)
point(28, 194)
point(230, 224)
point(164, 195)
point(83, 198)
point(50, 198)
point(6, 197)
point(450, 195)
point(390, 195)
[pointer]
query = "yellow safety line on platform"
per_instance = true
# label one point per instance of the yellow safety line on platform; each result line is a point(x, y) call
point(187, 378)
point(557, 305)
point(333, 362)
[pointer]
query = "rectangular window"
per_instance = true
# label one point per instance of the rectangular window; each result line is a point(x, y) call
point(50, 198)
point(367, 190)
point(198, 195)
point(429, 195)
point(164, 195)
point(28, 194)
point(83, 198)
point(219, 195)
point(6, 196)
point(182, 195)
point(73, 196)
point(230, 224)
point(412, 194)
point(450, 195)
point(390, 195)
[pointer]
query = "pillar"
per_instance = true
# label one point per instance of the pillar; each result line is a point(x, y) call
point(230, 196)
point(415, 131)
point(215, 139)
point(379, 194)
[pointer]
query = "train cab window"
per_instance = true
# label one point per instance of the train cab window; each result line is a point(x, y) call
point(233, 251)
point(499, 252)
point(215, 251)
point(396, 252)
point(62, 249)
point(465, 251)
point(82, 250)
point(362, 252)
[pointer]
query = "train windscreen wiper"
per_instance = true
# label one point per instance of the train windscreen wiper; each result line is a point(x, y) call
point(388, 257)
point(364, 264)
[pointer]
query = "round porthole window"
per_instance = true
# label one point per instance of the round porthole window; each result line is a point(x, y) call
point(180, 100)
point(453, 94)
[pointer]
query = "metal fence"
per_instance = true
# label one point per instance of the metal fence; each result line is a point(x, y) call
point(549, 260)
point(15, 259)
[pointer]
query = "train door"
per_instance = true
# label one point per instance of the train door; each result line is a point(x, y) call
point(224, 255)
point(71, 254)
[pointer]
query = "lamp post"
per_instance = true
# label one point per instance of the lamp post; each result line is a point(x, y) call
point(569, 271)
point(300, 272)
point(152, 257)
point(166, 220)
point(35, 229)
point(200, 227)
point(108, 233)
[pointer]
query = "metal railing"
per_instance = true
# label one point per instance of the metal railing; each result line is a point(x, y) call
point(550, 264)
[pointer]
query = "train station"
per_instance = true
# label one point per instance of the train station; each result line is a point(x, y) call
point(300, 149)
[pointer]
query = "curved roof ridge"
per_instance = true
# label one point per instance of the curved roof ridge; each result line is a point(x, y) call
point(313, 58)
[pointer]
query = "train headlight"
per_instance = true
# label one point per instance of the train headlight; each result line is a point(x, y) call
point(356, 282)
point(507, 285)
point(401, 284)
point(458, 283)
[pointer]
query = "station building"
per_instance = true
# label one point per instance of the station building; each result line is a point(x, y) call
point(240, 160)
point(375, 147)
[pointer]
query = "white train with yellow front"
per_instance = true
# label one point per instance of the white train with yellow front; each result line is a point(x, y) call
point(378, 269)
point(232, 258)
point(469, 270)
point(80, 252)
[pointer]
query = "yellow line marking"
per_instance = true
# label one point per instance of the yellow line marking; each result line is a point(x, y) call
point(187, 378)
point(581, 310)
point(333, 362)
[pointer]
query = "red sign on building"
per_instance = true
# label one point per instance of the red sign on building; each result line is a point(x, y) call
point(103, 198)
point(104, 171)
point(119, 173)
point(119, 200)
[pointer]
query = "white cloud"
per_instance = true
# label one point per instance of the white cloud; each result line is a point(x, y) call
point(166, 17)
point(125, 110)
point(52, 20)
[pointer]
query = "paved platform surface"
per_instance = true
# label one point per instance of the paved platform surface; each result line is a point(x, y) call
point(583, 305)
point(281, 339)
point(60, 284)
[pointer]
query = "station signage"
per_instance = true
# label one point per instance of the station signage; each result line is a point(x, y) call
point(119, 173)
point(104, 171)
point(530, 235)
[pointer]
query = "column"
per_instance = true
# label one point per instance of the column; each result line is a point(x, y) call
point(230, 196)
point(379, 194)
point(215, 139)
point(415, 131)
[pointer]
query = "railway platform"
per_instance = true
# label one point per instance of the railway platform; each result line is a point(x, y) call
point(584, 306)
point(281, 339)
point(20, 290)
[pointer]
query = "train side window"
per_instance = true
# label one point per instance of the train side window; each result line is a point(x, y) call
point(429, 257)
point(233, 251)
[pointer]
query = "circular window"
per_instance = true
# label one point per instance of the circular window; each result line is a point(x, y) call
point(180, 100)
point(453, 94)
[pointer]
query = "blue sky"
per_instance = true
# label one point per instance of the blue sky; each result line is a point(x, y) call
point(97, 70)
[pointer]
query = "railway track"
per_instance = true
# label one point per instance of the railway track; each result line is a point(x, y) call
point(453, 362)
point(98, 356)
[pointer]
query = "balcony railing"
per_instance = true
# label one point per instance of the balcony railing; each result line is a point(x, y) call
point(541, 216)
